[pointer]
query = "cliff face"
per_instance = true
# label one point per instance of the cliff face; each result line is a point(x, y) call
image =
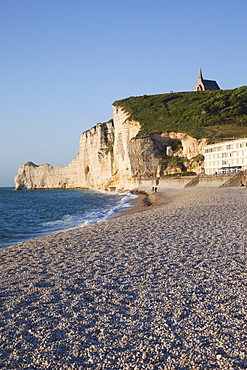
point(111, 157)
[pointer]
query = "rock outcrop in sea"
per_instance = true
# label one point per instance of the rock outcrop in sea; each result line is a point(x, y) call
point(112, 157)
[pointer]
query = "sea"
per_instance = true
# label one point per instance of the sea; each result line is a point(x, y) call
point(28, 214)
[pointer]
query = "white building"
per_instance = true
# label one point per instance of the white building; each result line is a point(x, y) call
point(225, 157)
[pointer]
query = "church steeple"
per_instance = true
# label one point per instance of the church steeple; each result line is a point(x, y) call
point(200, 74)
point(199, 86)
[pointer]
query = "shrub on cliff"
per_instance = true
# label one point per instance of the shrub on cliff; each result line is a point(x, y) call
point(31, 164)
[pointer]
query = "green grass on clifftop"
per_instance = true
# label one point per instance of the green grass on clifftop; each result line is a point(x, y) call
point(215, 114)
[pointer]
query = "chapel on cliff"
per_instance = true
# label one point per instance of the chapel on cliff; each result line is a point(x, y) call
point(203, 85)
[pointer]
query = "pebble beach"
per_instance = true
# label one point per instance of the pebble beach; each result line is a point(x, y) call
point(161, 288)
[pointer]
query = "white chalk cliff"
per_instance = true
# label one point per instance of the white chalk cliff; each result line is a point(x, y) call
point(111, 157)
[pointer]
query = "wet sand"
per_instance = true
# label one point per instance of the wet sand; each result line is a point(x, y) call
point(143, 202)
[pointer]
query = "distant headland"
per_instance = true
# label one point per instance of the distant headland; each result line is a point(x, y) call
point(149, 136)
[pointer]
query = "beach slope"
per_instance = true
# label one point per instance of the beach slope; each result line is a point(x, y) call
point(165, 288)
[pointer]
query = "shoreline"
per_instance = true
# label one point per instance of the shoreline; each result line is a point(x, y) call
point(144, 201)
point(162, 288)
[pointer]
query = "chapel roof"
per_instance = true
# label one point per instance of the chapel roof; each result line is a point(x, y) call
point(210, 85)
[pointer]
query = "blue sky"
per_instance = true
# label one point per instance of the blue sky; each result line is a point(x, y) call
point(64, 62)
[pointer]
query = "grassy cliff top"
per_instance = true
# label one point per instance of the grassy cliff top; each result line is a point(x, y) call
point(215, 114)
